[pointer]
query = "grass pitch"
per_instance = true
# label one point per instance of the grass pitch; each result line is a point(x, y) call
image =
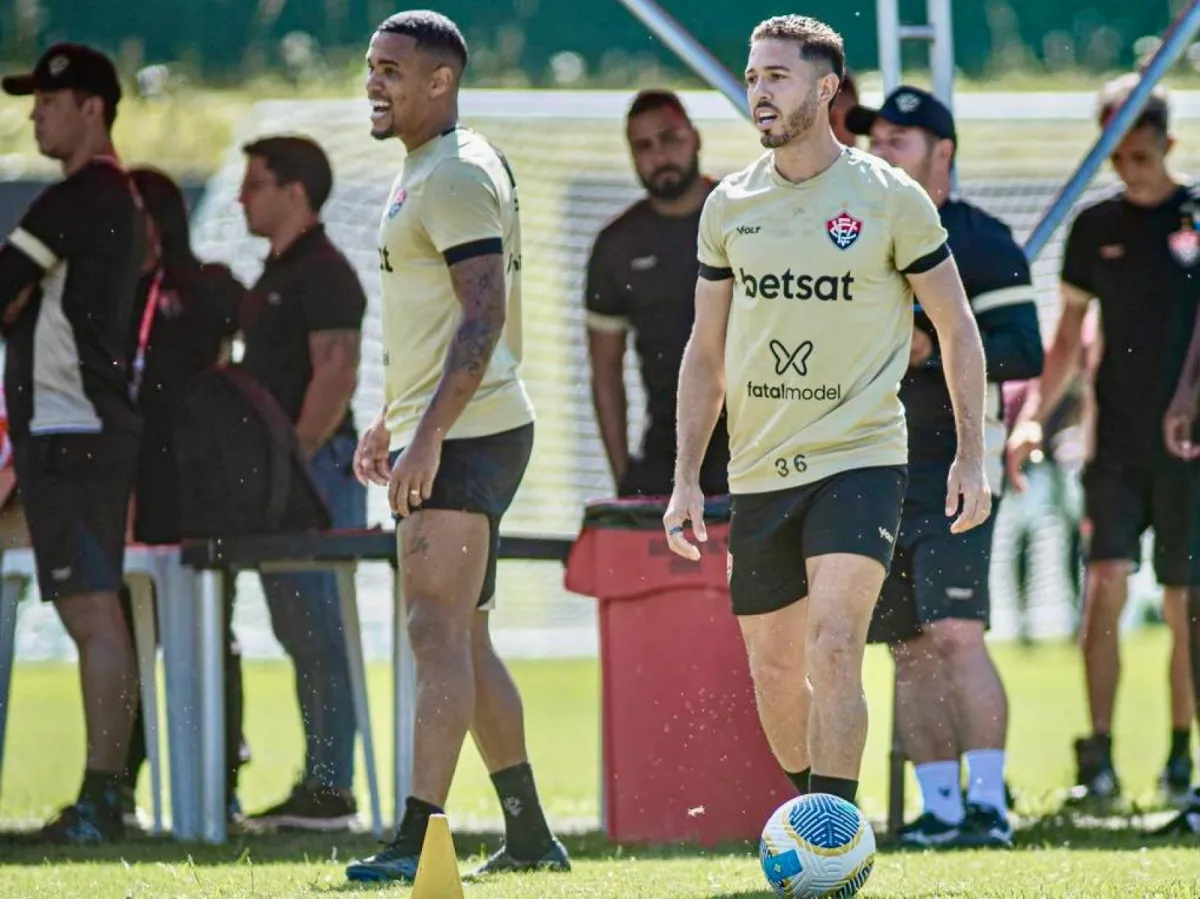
point(1057, 856)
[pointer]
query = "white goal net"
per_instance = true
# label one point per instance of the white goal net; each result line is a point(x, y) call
point(573, 170)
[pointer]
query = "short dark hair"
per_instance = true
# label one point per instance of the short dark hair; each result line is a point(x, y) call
point(293, 160)
point(432, 31)
point(654, 99)
point(849, 85)
point(1155, 114)
point(818, 42)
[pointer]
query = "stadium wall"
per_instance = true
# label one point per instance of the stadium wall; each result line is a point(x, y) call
point(232, 36)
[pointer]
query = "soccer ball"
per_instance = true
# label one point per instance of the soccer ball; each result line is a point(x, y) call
point(817, 845)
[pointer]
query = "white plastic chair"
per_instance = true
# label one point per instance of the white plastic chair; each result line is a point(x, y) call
point(143, 572)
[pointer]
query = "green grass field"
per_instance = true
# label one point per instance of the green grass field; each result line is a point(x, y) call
point(1057, 856)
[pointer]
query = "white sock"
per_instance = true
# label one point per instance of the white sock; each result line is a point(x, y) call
point(942, 790)
point(986, 785)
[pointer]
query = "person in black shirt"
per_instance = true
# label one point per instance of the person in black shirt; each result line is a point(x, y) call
point(934, 607)
point(68, 273)
point(642, 276)
point(1136, 253)
point(185, 313)
point(301, 324)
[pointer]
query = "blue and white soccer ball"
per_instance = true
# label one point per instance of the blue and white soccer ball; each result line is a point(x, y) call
point(817, 845)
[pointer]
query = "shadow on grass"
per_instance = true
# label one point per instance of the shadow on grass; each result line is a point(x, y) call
point(1055, 831)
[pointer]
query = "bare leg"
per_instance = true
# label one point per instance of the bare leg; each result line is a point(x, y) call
point(775, 647)
point(107, 674)
point(498, 721)
point(1107, 591)
point(925, 702)
point(444, 556)
point(842, 593)
point(1180, 672)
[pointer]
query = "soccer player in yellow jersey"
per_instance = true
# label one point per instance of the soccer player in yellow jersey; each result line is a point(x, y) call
point(809, 259)
point(455, 435)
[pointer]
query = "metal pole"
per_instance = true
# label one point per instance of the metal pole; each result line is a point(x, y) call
point(888, 14)
point(691, 51)
point(214, 803)
point(1175, 41)
point(941, 51)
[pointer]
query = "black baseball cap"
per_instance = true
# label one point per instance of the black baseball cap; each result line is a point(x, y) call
point(908, 107)
point(67, 66)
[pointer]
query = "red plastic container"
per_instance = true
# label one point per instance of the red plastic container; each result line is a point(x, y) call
point(684, 756)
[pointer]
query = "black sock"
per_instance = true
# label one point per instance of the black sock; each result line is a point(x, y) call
point(1103, 740)
point(1181, 740)
point(834, 786)
point(410, 836)
point(102, 788)
point(800, 780)
point(526, 834)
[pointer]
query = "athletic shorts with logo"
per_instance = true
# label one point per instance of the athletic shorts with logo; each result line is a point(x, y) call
point(1121, 501)
point(481, 475)
point(935, 576)
point(773, 535)
point(75, 491)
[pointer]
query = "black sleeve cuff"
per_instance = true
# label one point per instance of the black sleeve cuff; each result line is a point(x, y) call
point(464, 251)
point(929, 261)
point(709, 273)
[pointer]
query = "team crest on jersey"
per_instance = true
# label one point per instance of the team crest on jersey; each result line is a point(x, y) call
point(397, 201)
point(1185, 244)
point(843, 229)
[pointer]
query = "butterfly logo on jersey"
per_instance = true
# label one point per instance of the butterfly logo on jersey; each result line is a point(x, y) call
point(843, 229)
point(397, 201)
point(1185, 243)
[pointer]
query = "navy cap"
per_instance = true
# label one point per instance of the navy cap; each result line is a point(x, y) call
point(67, 66)
point(908, 107)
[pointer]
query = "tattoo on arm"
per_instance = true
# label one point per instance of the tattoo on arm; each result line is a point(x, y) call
point(479, 283)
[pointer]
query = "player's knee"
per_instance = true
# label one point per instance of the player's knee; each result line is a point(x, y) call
point(835, 655)
point(1107, 579)
point(956, 641)
point(431, 630)
point(776, 665)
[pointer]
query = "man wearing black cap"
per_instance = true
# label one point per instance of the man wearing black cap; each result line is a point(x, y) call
point(641, 276)
point(934, 606)
point(1137, 253)
point(68, 275)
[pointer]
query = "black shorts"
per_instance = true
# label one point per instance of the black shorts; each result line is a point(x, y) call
point(653, 472)
point(481, 475)
point(772, 535)
point(935, 576)
point(1122, 501)
point(75, 491)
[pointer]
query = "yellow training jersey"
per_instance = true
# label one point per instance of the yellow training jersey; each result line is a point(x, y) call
point(822, 314)
point(455, 198)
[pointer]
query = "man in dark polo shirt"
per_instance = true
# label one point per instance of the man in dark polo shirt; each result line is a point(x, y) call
point(1136, 253)
point(301, 325)
point(935, 607)
point(642, 277)
point(68, 274)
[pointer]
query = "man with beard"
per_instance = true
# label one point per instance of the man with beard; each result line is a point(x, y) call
point(935, 606)
point(642, 276)
point(809, 259)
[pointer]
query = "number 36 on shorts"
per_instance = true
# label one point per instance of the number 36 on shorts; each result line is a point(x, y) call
point(798, 464)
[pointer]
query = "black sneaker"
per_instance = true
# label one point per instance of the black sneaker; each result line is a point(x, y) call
point(985, 827)
point(502, 862)
point(84, 824)
point(310, 807)
point(1095, 778)
point(395, 863)
point(1187, 822)
point(1175, 782)
point(928, 832)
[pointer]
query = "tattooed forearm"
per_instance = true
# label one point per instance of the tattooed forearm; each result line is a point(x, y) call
point(480, 286)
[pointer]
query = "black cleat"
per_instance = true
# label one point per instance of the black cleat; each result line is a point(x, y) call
point(1186, 823)
point(310, 807)
point(928, 832)
point(985, 827)
point(1095, 779)
point(84, 824)
point(555, 859)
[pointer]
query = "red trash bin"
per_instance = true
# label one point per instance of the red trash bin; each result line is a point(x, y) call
point(684, 756)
